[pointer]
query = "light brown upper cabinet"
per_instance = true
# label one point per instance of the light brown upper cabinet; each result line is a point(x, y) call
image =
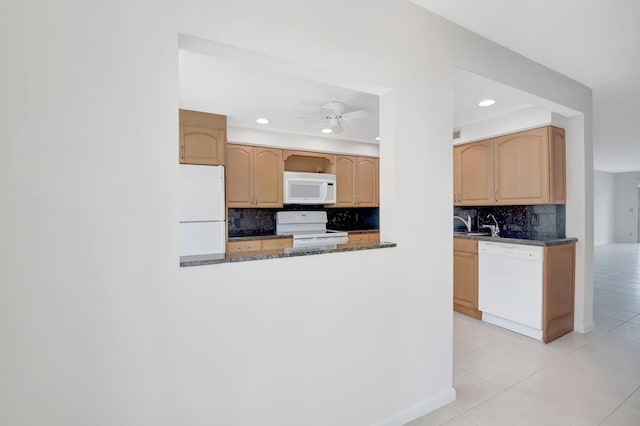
point(308, 161)
point(254, 176)
point(203, 138)
point(473, 174)
point(518, 169)
point(357, 181)
point(345, 181)
point(530, 167)
point(367, 182)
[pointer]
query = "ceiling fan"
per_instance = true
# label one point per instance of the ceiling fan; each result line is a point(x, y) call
point(333, 115)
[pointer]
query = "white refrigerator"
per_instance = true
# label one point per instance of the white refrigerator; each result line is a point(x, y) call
point(202, 210)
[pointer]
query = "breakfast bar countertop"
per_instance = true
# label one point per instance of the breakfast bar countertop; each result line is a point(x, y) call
point(278, 253)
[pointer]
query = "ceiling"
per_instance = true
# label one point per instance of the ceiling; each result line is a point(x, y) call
point(244, 93)
point(470, 88)
point(594, 42)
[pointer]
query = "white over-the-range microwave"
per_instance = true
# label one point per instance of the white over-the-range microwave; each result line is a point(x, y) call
point(309, 188)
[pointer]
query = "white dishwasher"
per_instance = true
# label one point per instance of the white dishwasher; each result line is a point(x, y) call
point(510, 278)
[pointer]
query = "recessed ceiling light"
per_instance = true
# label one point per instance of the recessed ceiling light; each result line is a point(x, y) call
point(378, 138)
point(326, 131)
point(486, 102)
point(262, 121)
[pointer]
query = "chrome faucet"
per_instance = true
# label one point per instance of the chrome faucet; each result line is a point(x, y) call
point(467, 222)
point(495, 229)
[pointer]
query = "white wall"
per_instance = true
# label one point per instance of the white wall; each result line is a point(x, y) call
point(604, 196)
point(626, 206)
point(99, 325)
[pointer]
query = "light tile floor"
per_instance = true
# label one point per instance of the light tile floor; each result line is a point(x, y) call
point(503, 378)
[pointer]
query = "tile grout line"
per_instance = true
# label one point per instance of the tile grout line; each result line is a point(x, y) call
point(620, 405)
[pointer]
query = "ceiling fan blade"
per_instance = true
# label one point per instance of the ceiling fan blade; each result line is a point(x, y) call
point(354, 115)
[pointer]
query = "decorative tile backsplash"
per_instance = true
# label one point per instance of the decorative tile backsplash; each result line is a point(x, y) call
point(526, 222)
point(251, 222)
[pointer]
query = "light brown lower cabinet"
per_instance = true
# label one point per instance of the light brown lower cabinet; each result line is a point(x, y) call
point(364, 237)
point(558, 287)
point(465, 277)
point(558, 291)
point(257, 245)
point(277, 243)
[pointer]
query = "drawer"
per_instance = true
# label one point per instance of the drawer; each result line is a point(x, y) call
point(358, 238)
point(279, 243)
point(240, 246)
point(364, 237)
point(468, 246)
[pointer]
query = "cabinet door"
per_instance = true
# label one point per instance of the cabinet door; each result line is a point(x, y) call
point(267, 177)
point(202, 138)
point(366, 194)
point(557, 171)
point(558, 291)
point(345, 181)
point(522, 168)
point(239, 176)
point(377, 182)
point(465, 283)
point(475, 180)
point(456, 175)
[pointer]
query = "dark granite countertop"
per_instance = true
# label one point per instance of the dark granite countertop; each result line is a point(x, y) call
point(272, 236)
point(278, 253)
point(532, 242)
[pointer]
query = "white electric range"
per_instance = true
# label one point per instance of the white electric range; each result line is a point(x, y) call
point(308, 229)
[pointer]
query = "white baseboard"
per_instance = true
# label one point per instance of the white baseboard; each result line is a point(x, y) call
point(585, 328)
point(420, 409)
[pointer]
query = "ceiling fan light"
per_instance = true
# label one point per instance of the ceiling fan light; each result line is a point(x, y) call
point(262, 120)
point(326, 130)
point(486, 102)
